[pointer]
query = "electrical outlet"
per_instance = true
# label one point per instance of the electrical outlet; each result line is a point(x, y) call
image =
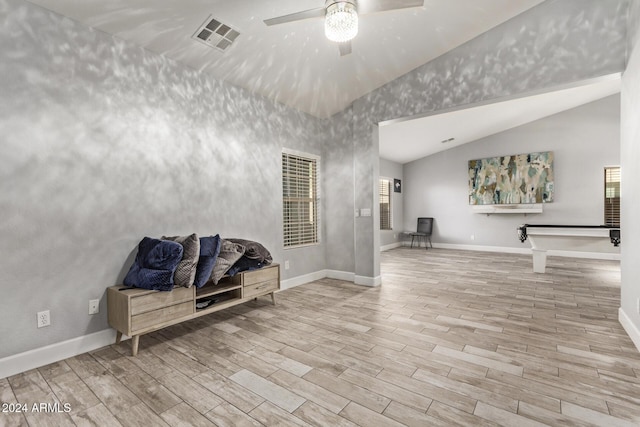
point(94, 306)
point(44, 319)
point(473, 237)
point(286, 265)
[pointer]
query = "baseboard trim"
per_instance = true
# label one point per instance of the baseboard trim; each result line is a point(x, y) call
point(341, 275)
point(301, 280)
point(630, 328)
point(330, 274)
point(480, 248)
point(390, 246)
point(42, 356)
point(368, 281)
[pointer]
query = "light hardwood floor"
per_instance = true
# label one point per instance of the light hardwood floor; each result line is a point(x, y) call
point(450, 338)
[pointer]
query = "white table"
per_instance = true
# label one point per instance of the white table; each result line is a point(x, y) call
point(575, 238)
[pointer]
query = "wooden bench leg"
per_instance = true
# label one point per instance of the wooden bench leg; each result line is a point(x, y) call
point(273, 298)
point(135, 340)
point(118, 337)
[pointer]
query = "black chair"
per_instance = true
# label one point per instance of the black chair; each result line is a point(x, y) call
point(425, 225)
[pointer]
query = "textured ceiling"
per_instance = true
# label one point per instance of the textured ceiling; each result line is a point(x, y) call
point(294, 63)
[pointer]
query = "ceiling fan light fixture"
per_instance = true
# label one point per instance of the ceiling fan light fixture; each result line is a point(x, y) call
point(341, 21)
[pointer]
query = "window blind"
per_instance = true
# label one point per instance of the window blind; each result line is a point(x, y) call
point(300, 200)
point(385, 204)
point(612, 196)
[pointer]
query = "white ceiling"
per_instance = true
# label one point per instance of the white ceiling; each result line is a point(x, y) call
point(406, 140)
point(294, 63)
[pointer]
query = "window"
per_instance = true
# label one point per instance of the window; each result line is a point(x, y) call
point(385, 204)
point(300, 199)
point(612, 196)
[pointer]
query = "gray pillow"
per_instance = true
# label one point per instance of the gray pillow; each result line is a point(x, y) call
point(255, 250)
point(186, 271)
point(230, 252)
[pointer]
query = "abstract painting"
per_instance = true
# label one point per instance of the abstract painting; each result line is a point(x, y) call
point(516, 179)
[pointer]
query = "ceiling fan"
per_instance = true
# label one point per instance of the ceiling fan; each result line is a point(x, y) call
point(341, 17)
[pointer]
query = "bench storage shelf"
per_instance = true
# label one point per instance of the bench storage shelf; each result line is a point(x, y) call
point(134, 312)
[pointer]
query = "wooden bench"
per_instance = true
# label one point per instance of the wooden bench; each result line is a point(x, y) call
point(134, 311)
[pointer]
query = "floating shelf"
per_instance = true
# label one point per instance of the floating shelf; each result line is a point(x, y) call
point(508, 209)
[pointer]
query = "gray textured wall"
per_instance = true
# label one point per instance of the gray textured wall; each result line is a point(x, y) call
point(554, 43)
point(338, 195)
point(104, 143)
point(366, 173)
point(630, 154)
point(584, 140)
point(390, 169)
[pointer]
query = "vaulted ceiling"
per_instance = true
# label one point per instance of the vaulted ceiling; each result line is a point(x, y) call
point(294, 63)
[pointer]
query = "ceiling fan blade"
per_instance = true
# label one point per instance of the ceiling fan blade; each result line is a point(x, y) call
point(345, 48)
point(372, 6)
point(298, 16)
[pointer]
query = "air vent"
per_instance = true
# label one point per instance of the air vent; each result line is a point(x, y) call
point(215, 34)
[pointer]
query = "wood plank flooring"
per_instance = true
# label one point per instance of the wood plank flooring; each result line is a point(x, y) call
point(450, 338)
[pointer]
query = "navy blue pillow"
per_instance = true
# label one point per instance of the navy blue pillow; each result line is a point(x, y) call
point(155, 263)
point(209, 251)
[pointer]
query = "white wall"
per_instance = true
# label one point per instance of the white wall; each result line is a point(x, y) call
point(584, 140)
point(630, 195)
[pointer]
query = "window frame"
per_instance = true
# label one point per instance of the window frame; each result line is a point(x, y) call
point(612, 196)
point(389, 186)
point(299, 240)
